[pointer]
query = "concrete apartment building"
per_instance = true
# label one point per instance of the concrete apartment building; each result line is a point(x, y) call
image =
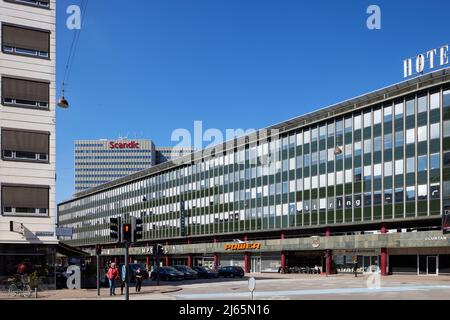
point(27, 124)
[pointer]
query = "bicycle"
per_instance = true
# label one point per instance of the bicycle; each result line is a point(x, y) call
point(19, 286)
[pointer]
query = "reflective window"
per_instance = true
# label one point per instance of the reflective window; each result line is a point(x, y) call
point(434, 131)
point(388, 168)
point(387, 114)
point(399, 110)
point(398, 167)
point(377, 170)
point(367, 146)
point(348, 125)
point(422, 192)
point(410, 193)
point(434, 101)
point(422, 133)
point(330, 129)
point(410, 165)
point(388, 141)
point(422, 163)
point(422, 104)
point(435, 161)
point(357, 122)
point(410, 138)
point(367, 119)
point(410, 110)
point(377, 116)
point(377, 144)
point(399, 139)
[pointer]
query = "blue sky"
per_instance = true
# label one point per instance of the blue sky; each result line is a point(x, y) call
point(144, 68)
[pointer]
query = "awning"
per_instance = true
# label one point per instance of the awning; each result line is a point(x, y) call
point(69, 251)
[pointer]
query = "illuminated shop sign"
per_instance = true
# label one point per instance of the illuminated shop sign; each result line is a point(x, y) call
point(429, 60)
point(124, 145)
point(243, 246)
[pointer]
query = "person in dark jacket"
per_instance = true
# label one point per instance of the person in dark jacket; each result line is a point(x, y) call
point(138, 277)
point(355, 269)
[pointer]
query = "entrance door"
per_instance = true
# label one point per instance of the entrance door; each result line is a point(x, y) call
point(428, 265)
point(432, 265)
point(256, 264)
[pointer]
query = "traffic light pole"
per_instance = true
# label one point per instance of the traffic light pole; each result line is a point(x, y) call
point(127, 292)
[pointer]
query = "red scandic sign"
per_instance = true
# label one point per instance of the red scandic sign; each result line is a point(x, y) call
point(124, 145)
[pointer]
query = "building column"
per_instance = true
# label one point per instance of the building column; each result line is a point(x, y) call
point(189, 261)
point(167, 261)
point(147, 262)
point(216, 260)
point(383, 253)
point(246, 262)
point(283, 255)
point(329, 255)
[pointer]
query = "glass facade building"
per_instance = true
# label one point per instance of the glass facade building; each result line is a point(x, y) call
point(378, 158)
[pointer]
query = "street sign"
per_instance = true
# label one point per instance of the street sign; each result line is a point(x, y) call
point(124, 272)
point(64, 232)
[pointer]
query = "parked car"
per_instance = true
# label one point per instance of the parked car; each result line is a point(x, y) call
point(166, 273)
point(189, 273)
point(206, 272)
point(231, 271)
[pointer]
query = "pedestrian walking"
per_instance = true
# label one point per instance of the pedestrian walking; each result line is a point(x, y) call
point(138, 277)
point(112, 275)
point(355, 269)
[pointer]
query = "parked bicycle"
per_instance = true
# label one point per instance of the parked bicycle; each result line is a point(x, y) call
point(19, 286)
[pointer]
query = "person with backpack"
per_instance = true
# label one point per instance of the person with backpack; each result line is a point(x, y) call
point(112, 275)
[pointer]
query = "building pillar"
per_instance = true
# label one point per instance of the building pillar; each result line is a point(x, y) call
point(130, 259)
point(246, 262)
point(245, 237)
point(189, 261)
point(115, 260)
point(384, 261)
point(216, 260)
point(282, 237)
point(283, 261)
point(147, 262)
point(383, 254)
point(329, 255)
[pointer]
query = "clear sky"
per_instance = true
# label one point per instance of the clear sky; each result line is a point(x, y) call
point(144, 68)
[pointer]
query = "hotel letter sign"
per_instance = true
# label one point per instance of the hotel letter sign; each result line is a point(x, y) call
point(431, 59)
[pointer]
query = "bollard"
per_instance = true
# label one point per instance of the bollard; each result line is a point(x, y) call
point(35, 293)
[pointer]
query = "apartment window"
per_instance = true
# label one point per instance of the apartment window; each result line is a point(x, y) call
point(377, 116)
point(21, 145)
point(367, 120)
point(410, 193)
point(35, 3)
point(25, 200)
point(398, 110)
point(25, 93)
point(399, 139)
point(25, 41)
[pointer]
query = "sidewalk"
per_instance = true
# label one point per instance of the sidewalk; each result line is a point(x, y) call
point(66, 294)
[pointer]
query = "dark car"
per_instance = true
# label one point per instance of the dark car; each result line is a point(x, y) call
point(167, 273)
point(189, 273)
point(231, 271)
point(206, 273)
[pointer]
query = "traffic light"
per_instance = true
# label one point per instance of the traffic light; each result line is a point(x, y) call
point(127, 232)
point(98, 249)
point(114, 227)
point(136, 224)
point(161, 250)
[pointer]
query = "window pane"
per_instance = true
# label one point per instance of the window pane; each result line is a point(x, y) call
point(422, 133)
point(410, 136)
point(410, 107)
point(434, 131)
point(357, 122)
point(422, 163)
point(435, 161)
point(410, 165)
point(422, 104)
point(367, 119)
point(398, 167)
point(434, 101)
point(377, 116)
